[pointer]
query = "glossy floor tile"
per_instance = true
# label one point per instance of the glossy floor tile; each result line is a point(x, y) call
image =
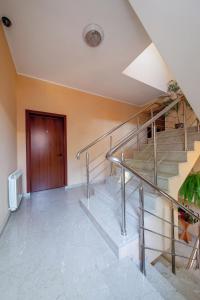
point(50, 250)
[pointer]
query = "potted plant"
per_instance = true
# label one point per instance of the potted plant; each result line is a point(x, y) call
point(175, 92)
point(190, 194)
point(185, 221)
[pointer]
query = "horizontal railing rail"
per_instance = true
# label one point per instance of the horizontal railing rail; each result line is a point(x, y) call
point(117, 161)
point(93, 143)
point(135, 132)
point(142, 135)
point(173, 202)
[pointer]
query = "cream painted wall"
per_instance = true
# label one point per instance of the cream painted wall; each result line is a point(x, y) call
point(174, 27)
point(150, 68)
point(8, 155)
point(88, 116)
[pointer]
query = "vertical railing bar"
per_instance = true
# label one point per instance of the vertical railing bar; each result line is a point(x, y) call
point(88, 174)
point(152, 123)
point(173, 250)
point(198, 251)
point(198, 127)
point(141, 231)
point(155, 154)
point(111, 164)
point(185, 126)
point(138, 141)
point(123, 198)
point(195, 255)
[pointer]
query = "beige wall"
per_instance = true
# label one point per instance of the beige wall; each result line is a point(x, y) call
point(196, 167)
point(175, 29)
point(8, 155)
point(87, 117)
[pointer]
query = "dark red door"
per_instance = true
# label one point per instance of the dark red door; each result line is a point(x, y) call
point(47, 152)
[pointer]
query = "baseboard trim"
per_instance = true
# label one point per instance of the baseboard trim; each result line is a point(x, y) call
point(73, 186)
point(5, 221)
point(83, 184)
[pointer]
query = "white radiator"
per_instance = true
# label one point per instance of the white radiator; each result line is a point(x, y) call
point(15, 190)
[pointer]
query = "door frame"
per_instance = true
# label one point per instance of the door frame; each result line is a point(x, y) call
point(28, 157)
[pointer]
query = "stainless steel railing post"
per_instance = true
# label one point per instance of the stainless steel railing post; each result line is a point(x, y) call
point(173, 249)
point(111, 164)
point(194, 257)
point(155, 154)
point(185, 126)
point(88, 174)
point(198, 127)
point(198, 251)
point(141, 231)
point(138, 140)
point(123, 198)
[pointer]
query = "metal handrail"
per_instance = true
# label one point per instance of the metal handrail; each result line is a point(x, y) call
point(110, 156)
point(93, 143)
point(163, 193)
point(135, 132)
point(118, 161)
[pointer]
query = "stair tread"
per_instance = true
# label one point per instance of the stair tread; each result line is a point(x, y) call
point(150, 172)
point(185, 285)
point(169, 143)
point(151, 161)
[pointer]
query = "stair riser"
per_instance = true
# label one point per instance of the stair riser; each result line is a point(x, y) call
point(177, 138)
point(168, 147)
point(163, 183)
point(164, 168)
point(170, 156)
point(175, 132)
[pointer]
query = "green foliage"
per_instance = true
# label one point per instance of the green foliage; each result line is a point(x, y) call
point(175, 92)
point(173, 86)
point(190, 189)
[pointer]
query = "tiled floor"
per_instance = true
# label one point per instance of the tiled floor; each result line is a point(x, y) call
point(50, 250)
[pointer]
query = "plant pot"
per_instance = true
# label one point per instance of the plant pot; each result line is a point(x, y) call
point(179, 125)
point(185, 235)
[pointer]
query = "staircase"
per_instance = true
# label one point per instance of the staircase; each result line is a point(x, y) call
point(131, 197)
point(173, 163)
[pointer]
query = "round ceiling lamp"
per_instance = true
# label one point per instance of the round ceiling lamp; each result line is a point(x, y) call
point(93, 35)
point(6, 21)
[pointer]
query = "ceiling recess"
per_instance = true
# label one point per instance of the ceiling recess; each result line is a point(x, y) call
point(93, 35)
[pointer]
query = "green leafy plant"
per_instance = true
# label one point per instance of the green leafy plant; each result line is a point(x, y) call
point(175, 92)
point(190, 189)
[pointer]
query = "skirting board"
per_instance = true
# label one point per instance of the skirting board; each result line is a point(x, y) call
point(5, 221)
point(73, 186)
point(83, 184)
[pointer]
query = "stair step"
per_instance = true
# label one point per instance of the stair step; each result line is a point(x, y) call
point(162, 178)
point(108, 223)
point(162, 285)
point(176, 138)
point(170, 155)
point(167, 146)
point(173, 131)
point(182, 281)
point(163, 166)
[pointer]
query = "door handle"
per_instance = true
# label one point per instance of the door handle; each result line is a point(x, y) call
point(60, 154)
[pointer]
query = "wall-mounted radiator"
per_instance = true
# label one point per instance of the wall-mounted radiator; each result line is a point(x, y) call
point(15, 190)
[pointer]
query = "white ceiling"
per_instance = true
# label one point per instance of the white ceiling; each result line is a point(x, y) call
point(46, 42)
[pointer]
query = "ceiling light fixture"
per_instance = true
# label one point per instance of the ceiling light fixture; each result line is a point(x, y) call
point(6, 21)
point(93, 35)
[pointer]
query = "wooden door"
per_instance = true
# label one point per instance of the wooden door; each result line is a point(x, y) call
point(45, 151)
